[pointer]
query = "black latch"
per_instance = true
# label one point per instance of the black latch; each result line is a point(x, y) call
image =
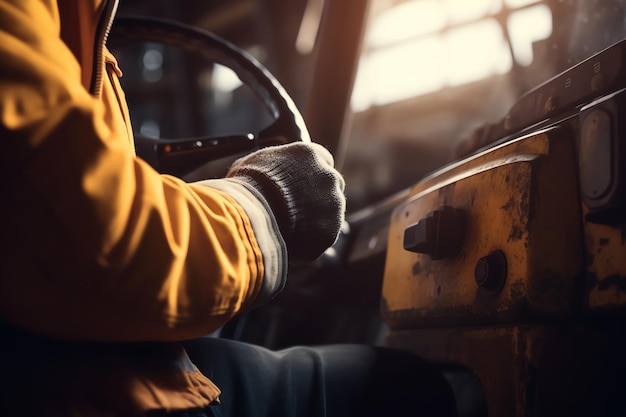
point(440, 234)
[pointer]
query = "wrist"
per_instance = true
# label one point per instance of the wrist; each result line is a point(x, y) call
point(270, 191)
point(266, 233)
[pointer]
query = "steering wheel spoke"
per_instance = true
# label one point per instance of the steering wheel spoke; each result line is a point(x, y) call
point(180, 156)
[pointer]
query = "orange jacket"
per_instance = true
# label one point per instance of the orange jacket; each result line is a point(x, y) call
point(96, 245)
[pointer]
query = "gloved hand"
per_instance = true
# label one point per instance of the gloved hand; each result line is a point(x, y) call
point(303, 190)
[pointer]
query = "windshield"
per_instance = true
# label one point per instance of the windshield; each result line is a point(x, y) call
point(431, 72)
point(417, 77)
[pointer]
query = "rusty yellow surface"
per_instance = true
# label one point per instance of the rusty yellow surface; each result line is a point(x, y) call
point(606, 254)
point(514, 196)
point(523, 370)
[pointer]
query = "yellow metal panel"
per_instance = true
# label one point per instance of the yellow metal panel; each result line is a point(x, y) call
point(512, 195)
point(606, 254)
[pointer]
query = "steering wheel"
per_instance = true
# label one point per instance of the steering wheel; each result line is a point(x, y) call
point(182, 155)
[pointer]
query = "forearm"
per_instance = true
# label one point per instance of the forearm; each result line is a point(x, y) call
point(153, 280)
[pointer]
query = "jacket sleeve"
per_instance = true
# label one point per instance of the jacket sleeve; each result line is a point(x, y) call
point(96, 245)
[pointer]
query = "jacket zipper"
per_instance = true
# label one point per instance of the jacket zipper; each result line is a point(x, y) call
point(102, 33)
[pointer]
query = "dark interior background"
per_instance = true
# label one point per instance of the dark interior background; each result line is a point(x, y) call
point(381, 150)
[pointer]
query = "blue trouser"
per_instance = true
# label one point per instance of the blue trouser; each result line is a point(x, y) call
point(329, 381)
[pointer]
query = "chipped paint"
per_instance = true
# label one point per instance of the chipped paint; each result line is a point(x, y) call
point(508, 209)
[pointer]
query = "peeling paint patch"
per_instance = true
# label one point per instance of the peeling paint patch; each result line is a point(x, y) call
point(613, 281)
point(517, 232)
point(417, 268)
point(509, 204)
point(518, 290)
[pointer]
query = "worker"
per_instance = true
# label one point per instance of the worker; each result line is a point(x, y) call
point(109, 266)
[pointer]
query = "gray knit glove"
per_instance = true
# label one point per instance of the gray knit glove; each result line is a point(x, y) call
point(303, 190)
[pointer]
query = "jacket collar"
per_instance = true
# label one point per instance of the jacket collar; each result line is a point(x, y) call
point(85, 26)
point(105, 22)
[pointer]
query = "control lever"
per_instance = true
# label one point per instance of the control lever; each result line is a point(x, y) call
point(440, 234)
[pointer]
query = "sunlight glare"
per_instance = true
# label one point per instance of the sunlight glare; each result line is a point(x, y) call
point(406, 21)
point(527, 26)
point(475, 51)
point(464, 10)
point(224, 79)
point(410, 53)
point(305, 41)
point(399, 72)
point(514, 4)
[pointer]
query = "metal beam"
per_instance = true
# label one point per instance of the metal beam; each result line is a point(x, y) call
point(338, 50)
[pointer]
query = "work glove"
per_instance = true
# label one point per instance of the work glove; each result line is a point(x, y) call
point(304, 192)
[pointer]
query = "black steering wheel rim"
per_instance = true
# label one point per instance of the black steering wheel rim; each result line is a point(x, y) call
point(181, 155)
